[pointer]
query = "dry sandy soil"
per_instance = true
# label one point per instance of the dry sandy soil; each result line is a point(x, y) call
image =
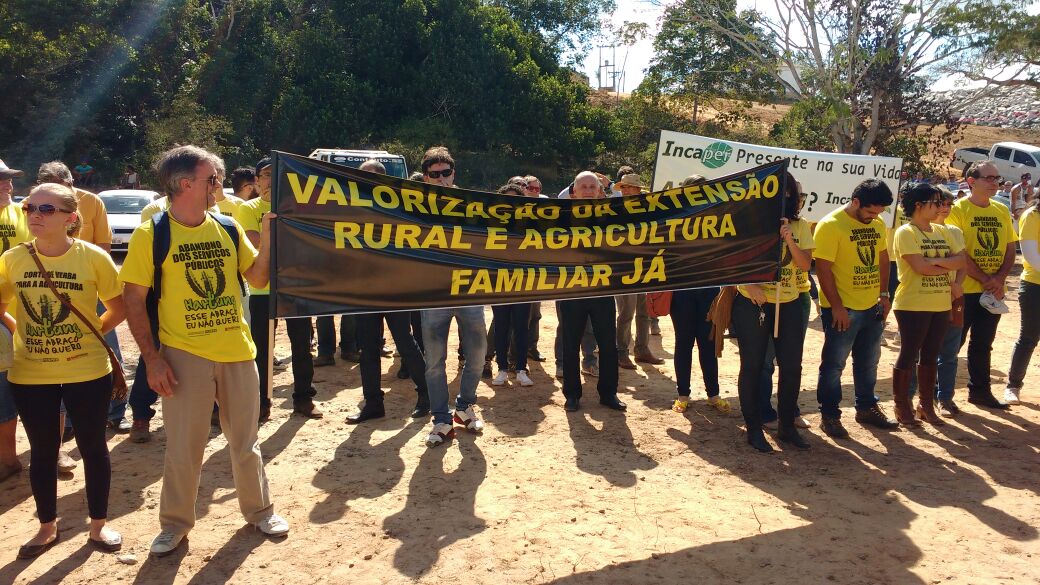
point(596, 496)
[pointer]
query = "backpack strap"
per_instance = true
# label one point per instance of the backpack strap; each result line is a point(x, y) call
point(160, 249)
point(231, 228)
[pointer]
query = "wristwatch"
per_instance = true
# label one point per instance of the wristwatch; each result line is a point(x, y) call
point(885, 294)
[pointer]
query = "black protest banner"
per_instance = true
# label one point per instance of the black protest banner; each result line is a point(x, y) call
point(350, 241)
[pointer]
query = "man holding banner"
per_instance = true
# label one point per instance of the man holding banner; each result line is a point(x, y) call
point(438, 168)
point(851, 250)
point(573, 316)
point(206, 352)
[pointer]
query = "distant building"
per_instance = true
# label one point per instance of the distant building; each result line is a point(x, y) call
point(791, 81)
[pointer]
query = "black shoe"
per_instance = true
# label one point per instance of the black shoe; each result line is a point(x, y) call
point(987, 400)
point(789, 434)
point(535, 355)
point(572, 404)
point(757, 439)
point(422, 406)
point(265, 413)
point(366, 413)
point(613, 403)
point(487, 373)
point(31, 551)
point(832, 427)
point(324, 360)
point(306, 408)
point(350, 356)
point(403, 373)
point(876, 417)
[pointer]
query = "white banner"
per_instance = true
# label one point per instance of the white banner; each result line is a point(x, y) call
point(827, 178)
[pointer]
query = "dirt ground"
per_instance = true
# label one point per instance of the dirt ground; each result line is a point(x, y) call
point(545, 496)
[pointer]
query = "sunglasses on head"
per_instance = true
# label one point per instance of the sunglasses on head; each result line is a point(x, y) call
point(44, 209)
point(438, 174)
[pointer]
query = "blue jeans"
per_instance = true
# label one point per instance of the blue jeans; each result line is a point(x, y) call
point(947, 377)
point(473, 342)
point(767, 412)
point(863, 341)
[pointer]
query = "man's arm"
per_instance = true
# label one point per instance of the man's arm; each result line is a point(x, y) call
point(829, 287)
point(160, 376)
point(884, 270)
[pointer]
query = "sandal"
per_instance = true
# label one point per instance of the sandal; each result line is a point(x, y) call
point(719, 404)
point(31, 551)
point(112, 543)
point(681, 404)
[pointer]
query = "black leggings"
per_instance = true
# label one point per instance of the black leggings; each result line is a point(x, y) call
point(920, 333)
point(87, 405)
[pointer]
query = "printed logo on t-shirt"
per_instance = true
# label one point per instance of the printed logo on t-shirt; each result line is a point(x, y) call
point(205, 275)
point(989, 239)
point(868, 274)
point(49, 333)
point(7, 233)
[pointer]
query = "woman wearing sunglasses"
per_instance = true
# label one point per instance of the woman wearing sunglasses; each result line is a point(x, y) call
point(927, 258)
point(57, 358)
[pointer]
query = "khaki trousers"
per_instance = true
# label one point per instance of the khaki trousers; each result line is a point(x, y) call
point(186, 415)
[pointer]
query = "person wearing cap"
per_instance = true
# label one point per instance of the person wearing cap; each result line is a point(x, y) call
point(989, 238)
point(634, 305)
point(250, 215)
point(1021, 195)
point(13, 231)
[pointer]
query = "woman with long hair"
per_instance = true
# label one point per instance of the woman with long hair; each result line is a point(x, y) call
point(754, 312)
point(57, 357)
point(927, 259)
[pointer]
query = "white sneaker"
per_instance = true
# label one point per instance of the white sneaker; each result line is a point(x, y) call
point(165, 543)
point(273, 525)
point(441, 433)
point(65, 461)
point(523, 378)
point(468, 419)
point(500, 378)
point(1011, 395)
point(800, 422)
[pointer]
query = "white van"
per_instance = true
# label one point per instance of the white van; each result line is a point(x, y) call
point(394, 163)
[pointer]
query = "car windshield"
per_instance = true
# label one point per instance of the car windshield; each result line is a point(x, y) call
point(125, 203)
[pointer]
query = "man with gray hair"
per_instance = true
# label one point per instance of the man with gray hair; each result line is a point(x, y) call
point(206, 352)
point(574, 314)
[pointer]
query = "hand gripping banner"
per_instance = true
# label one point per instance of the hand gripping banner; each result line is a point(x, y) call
point(350, 241)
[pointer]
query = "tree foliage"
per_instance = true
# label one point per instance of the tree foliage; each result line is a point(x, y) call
point(864, 63)
point(120, 80)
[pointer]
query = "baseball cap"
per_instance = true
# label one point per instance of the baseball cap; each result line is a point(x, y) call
point(7, 172)
point(263, 164)
point(993, 304)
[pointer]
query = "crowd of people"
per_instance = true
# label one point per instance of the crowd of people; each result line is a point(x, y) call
point(199, 254)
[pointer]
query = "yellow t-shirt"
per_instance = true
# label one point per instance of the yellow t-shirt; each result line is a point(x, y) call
point(854, 249)
point(52, 346)
point(250, 215)
point(917, 292)
point(900, 219)
point(92, 214)
point(200, 309)
point(987, 232)
point(228, 205)
point(162, 204)
point(1029, 229)
point(790, 275)
point(13, 228)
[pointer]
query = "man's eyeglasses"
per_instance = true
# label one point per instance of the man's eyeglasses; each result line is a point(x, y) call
point(212, 180)
point(990, 177)
point(438, 174)
point(44, 209)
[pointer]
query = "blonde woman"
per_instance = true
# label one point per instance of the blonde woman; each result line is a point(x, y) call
point(57, 358)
